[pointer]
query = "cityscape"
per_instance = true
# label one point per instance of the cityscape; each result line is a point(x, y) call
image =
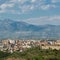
point(21, 45)
point(29, 29)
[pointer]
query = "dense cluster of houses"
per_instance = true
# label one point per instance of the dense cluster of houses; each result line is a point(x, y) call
point(21, 45)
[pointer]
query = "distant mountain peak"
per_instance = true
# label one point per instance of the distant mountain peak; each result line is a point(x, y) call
point(18, 30)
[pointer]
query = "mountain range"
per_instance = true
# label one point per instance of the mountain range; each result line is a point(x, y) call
point(11, 29)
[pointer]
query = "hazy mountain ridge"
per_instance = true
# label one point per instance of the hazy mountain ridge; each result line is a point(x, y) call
point(21, 30)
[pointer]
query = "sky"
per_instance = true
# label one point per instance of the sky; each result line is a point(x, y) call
point(37, 12)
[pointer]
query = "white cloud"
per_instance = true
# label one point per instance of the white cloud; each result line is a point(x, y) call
point(18, 1)
point(55, 20)
point(46, 7)
point(33, 1)
point(32, 7)
point(55, 1)
point(4, 6)
point(23, 7)
point(13, 1)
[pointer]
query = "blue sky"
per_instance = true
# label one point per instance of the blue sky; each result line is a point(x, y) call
point(36, 12)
